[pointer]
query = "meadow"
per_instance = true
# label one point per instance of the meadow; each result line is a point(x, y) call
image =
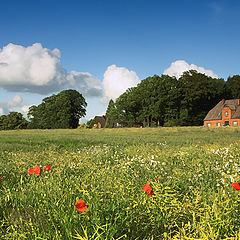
point(190, 170)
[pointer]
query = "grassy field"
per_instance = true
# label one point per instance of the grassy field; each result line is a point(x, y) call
point(190, 170)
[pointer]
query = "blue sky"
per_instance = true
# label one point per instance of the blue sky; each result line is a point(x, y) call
point(111, 44)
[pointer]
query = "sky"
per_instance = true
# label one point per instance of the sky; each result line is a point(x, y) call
point(103, 47)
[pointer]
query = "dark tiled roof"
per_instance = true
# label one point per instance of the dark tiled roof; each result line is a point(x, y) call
point(216, 112)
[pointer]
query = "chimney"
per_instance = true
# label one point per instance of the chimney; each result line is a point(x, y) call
point(223, 101)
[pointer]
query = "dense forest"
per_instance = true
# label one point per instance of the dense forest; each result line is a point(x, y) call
point(155, 101)
point(167, 101)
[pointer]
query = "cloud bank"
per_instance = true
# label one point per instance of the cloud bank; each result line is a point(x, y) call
point(38, 70)
point(178, 67)
point(116, 81)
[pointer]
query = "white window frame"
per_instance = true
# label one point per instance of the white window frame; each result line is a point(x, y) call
point(226, 114)
point(235, 124)
point(218, 124)
point(208, 124)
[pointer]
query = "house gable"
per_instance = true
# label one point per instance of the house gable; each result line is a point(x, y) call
point(225, 113)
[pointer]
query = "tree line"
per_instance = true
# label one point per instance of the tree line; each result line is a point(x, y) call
point(57, 111)
point(155, 101)
point(167, 101)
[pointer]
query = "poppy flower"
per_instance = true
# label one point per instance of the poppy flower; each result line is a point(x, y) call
point(148, 189)
point(48, 168)
point(0, 178)
point(81, 206)
point(30, 171)
point(236, 185)
point(37, 170)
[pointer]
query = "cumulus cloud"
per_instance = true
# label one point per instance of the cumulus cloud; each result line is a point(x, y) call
point(178, 67)
point(16, 101)
point(38, 70)
point(24, 109)
point(116, 81)
point(8, 106)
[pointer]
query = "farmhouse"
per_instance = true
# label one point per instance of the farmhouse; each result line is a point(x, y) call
point(225, 113)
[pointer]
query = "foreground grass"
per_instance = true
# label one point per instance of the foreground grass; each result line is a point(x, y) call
point(190, 170)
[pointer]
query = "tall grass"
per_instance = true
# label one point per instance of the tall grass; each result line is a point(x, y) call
point(189, 169)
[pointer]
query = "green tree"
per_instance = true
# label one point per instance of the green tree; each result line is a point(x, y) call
point(128, 107)
point(233, 87)
point(111, 115)
point(58, 111)
point(199, 93)
point(14, 120)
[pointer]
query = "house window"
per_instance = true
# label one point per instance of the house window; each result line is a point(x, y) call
point(218, 124)
point(235, 124)
point(208, 124)
point(226, 114)
point(226, 123)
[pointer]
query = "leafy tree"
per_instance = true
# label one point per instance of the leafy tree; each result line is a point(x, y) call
point(199, 94)
point(58, 111)
point(128, 107)
point(111, 114)
point(14, 120)
point(233, 87)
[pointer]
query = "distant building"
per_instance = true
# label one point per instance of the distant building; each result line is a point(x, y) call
point(225, 113)
point(101, 121)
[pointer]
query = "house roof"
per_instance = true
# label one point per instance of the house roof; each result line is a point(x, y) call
point(216, 112)
point(101, 119)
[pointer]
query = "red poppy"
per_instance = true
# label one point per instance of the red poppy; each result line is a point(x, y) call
point(0, 178)
point(236, 185)
point(30, 171)
point(37, 170)
point(81, 206)
point(148, 189)
point(48, 168)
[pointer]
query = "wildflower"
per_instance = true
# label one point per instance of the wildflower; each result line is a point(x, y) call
point(236, 185)
point(0, 178)
point(48, 168)
point(37, 170)
point(81, 206)
point(148, 189)
point(30, 171)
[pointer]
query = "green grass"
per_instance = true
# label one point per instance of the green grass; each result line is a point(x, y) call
point(190, 170)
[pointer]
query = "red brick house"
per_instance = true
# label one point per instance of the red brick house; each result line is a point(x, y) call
point(225, 113)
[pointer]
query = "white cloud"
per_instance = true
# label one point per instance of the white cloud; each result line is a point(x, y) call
point(116, 81)
point(9, 106)
point(178, 67)
point(16, 101)
point(38, 70)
